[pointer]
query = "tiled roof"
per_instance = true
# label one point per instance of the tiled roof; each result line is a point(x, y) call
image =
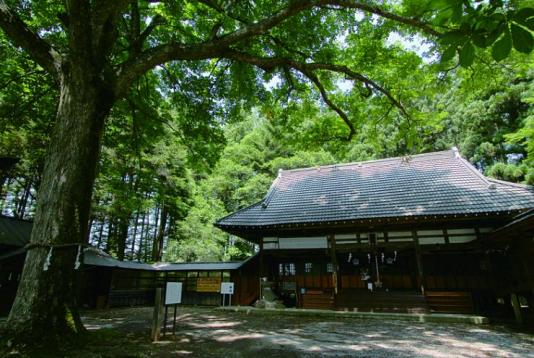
point(439, 183)
point(96, 257)
point(16, 232)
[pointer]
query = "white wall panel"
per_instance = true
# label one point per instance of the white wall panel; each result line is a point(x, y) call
point(303, 242)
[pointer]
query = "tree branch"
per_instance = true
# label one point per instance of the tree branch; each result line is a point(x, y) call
point(104, 14)
point(313, 77)
point(270, 63)
point(157, 20)
point(213, 47)
point(38, 49)
point(298, 6)
point(412, 22)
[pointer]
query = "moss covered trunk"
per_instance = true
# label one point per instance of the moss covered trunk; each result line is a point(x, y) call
point(46, 304)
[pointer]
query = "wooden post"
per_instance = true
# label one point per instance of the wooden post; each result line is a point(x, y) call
point(156, 318)
point(517, 308)
point(261, 270)
point(419, 261)
point(332, 239)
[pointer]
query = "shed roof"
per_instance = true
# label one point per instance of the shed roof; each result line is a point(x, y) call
point(14, 232)
point(438, 183)
point(96, 257)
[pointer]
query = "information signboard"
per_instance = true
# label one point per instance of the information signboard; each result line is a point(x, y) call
point(208, 284)
point(173, 293)
point(227, 288)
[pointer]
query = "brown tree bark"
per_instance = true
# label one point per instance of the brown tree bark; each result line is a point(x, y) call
point(134, 235)
point(122, 235)
point(46, 297)
point(157, 247)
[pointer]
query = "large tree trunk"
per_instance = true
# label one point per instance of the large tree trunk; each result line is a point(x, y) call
point(45, 306)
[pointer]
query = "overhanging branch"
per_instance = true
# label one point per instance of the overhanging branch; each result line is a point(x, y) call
point(308, 69)
point(313, 77)
point(213, 47)
point(38, 49)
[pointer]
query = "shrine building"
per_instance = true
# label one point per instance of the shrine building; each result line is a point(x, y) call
point(423, 233)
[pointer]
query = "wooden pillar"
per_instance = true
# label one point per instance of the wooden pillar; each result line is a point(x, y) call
point(261, 270)
point(332, 240)
point(261, 260)
point(517, 308)
point(419, 261)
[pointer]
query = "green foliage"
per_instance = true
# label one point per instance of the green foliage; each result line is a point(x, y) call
point(494, 24)
point(202, 139)
point(511, 172)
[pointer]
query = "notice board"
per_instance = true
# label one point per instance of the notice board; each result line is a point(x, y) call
point(173, 293)
point(208, 284)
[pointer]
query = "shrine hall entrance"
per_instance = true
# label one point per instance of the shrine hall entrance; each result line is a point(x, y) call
point(307, 279)
point(379, 280)
point(377, 269)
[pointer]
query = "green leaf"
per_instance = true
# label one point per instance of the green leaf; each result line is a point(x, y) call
point(443, 16)
point(457, 12)
point(522, 39)
point(493, 36)
point(522, 15)
point(467, 54)
point(448, 54)
point(439, 4)
point(530, 24)
point(480, 40)
point(452, 38)
point(501, 49)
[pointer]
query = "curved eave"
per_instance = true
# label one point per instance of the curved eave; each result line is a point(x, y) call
point(371, 221)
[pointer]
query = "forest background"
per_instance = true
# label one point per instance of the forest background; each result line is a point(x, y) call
point(186, 148)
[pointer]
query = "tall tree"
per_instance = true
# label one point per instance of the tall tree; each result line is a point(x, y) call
point(96, 49)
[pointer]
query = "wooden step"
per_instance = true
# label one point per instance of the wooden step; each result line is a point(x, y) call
point(318, 300)
point(450, 301)
point(385, 301)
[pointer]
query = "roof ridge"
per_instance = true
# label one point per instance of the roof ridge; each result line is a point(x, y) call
point(488, 180)
point(474, 170)
point(372, 161)
point(268, 196)
point(509, 183)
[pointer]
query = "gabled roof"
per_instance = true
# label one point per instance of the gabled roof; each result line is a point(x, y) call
point(439, 183)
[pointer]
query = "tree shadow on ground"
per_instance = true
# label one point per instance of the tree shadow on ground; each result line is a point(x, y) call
point(207, 332)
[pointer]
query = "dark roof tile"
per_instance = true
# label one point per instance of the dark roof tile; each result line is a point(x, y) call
point(440, 183)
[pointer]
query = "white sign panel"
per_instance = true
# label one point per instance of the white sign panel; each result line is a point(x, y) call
point(227, 288)
point(173, 293)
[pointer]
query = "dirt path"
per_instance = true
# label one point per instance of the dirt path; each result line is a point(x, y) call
point(206, 332)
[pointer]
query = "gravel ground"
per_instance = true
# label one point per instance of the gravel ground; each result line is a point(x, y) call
point(208, 332)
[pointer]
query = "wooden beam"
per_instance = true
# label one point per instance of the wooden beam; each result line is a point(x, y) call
point(261, 269)
point(419, 261)
point(332, 240)
point(517, 308)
